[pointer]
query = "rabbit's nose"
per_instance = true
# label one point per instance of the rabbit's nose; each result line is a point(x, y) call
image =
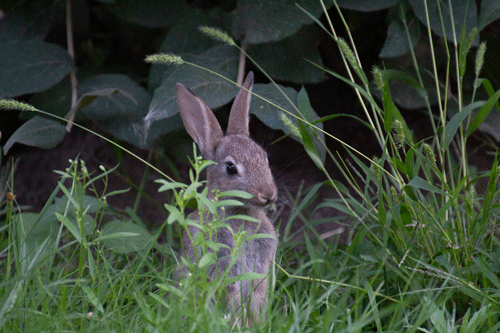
point(266, 197)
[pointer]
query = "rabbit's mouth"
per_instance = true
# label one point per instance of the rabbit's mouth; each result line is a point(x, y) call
point(260, 204)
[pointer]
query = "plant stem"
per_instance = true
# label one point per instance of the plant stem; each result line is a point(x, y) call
point(71, 52)
point(143, 183)
point(241, 63)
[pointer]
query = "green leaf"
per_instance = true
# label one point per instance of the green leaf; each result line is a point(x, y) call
point(228, 202)
point(307, 111)
point(91, 296)
point(261, 21)
point(309, 147)
point(248, 218)
point(163, 115)
point(396, 43)
point(31, 66)
point(382, 213)
point(37, 132)
point(174, 214)
point(236, 193)
point(167, 185)
point(410, 163)
point(454, 123)
point(88, 98)
point(410, 192)
point(389, 109)
point(270, 114)
point(490, 12)
point(479, 318)
point(487, 272)
point(397, 75)
point(117, 104)
point(89, 203)
point(305, 107)
point(490, 191)
point(290, 64)
point(9, 299)
point(207, 259)
point(464, 13)
point(488, 87)
point(482, 113)
point(258, 236)
point(127, 237)
point(34, 231)
point(436, 316)
point(421, 183)
point(366, 5)
point(55, 100)
point(246, 276)
point(31, 20)
point(72, 228)
point(185, 38)
point(151, 13)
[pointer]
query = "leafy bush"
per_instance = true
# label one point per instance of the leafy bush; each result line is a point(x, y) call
point(423, 247)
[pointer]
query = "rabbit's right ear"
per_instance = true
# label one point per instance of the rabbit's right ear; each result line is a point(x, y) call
point(199, 120)
point(238, 117)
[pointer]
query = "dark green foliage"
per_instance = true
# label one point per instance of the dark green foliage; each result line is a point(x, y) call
point(422, 249)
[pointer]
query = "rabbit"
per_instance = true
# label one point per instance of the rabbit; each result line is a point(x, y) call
point(241, 164)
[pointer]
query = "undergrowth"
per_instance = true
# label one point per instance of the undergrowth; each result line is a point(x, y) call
point(422, 253)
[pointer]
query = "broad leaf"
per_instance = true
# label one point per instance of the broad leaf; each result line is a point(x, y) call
point(396, 43)
point(56, 100)
point(490, 12)
point(290, 65)
point(152, 13)
point(33, 231)
point(269, 113)
point(124, 237)
point(408, 93)
point(261, 21)
point(366, 5)
point(464, 14)
point(163, 115)
point(185, 37)
point(32, 20)
point(117, 104)
point(31, 66)
point(37, 132)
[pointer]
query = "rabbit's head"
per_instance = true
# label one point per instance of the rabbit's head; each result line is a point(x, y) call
point(241, 163)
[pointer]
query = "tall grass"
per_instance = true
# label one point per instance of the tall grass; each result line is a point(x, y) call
point(422, 255)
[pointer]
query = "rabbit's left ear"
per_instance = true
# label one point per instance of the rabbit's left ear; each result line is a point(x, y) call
point(238, 118)
point(199, 120)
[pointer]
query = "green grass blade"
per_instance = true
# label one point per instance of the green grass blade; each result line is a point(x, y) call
point(455, 122)
point(482, 113)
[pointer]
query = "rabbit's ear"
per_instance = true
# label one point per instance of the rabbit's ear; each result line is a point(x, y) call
point(199, 120)
point(238, 118)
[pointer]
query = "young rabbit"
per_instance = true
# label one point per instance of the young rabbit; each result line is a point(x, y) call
point(241, 165)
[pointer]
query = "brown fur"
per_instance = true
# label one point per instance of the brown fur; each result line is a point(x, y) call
point(254, 177)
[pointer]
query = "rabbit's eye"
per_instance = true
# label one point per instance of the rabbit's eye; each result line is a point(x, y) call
point(231, 169)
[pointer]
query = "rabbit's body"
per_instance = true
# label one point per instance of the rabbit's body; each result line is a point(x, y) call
point(255, 256)
point(241, 164)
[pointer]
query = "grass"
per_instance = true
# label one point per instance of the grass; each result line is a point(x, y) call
point(423, 256)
